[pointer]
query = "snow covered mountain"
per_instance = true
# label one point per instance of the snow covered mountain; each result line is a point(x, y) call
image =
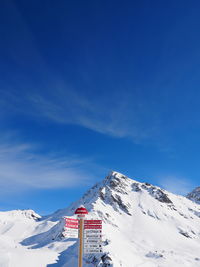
point(143, 225)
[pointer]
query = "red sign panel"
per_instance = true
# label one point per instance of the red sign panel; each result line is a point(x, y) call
point(92, 221)
point(92, 224)
point(71, 223)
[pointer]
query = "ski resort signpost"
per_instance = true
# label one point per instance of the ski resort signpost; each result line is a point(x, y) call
point(81, 212)
point(89, 233)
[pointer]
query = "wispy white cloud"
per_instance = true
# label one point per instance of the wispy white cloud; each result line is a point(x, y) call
point(176, 185)
point(123, 113)
point(21, 168)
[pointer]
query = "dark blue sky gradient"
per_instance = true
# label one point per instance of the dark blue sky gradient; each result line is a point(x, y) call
point(103, 85)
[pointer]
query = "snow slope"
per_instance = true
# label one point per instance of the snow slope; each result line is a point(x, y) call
point(143, 226)
point(14, 227)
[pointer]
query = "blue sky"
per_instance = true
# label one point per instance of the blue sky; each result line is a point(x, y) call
point(92, 86)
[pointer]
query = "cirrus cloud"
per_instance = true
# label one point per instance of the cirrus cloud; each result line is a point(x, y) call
point(22, 168)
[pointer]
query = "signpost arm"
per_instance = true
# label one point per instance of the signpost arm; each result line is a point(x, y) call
point(80, 259)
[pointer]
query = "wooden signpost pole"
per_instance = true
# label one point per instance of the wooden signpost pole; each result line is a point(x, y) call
point(80, 259)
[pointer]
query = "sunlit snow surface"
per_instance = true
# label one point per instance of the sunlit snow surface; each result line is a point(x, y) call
point(143, 226)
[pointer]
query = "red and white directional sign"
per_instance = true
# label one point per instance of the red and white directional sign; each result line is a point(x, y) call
point(93, 231)
point(71, 228)
point(92, 226)
point(92, 250)
point(71, 223)
point(92, 236)
point(93, 222)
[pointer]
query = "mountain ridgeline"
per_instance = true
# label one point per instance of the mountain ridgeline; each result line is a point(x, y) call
point(195, 195)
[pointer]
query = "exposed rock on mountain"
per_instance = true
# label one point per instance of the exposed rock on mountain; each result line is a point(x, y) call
point(195, 195)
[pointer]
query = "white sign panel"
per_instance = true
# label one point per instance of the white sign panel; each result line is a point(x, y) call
point(92, 241)
point(92, 231)
point(92, 236)
point(92, 246)
point(92, 250)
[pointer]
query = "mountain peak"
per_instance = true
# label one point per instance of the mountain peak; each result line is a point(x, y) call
point(195, 195)
point(114, 175)
point(117, 181)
